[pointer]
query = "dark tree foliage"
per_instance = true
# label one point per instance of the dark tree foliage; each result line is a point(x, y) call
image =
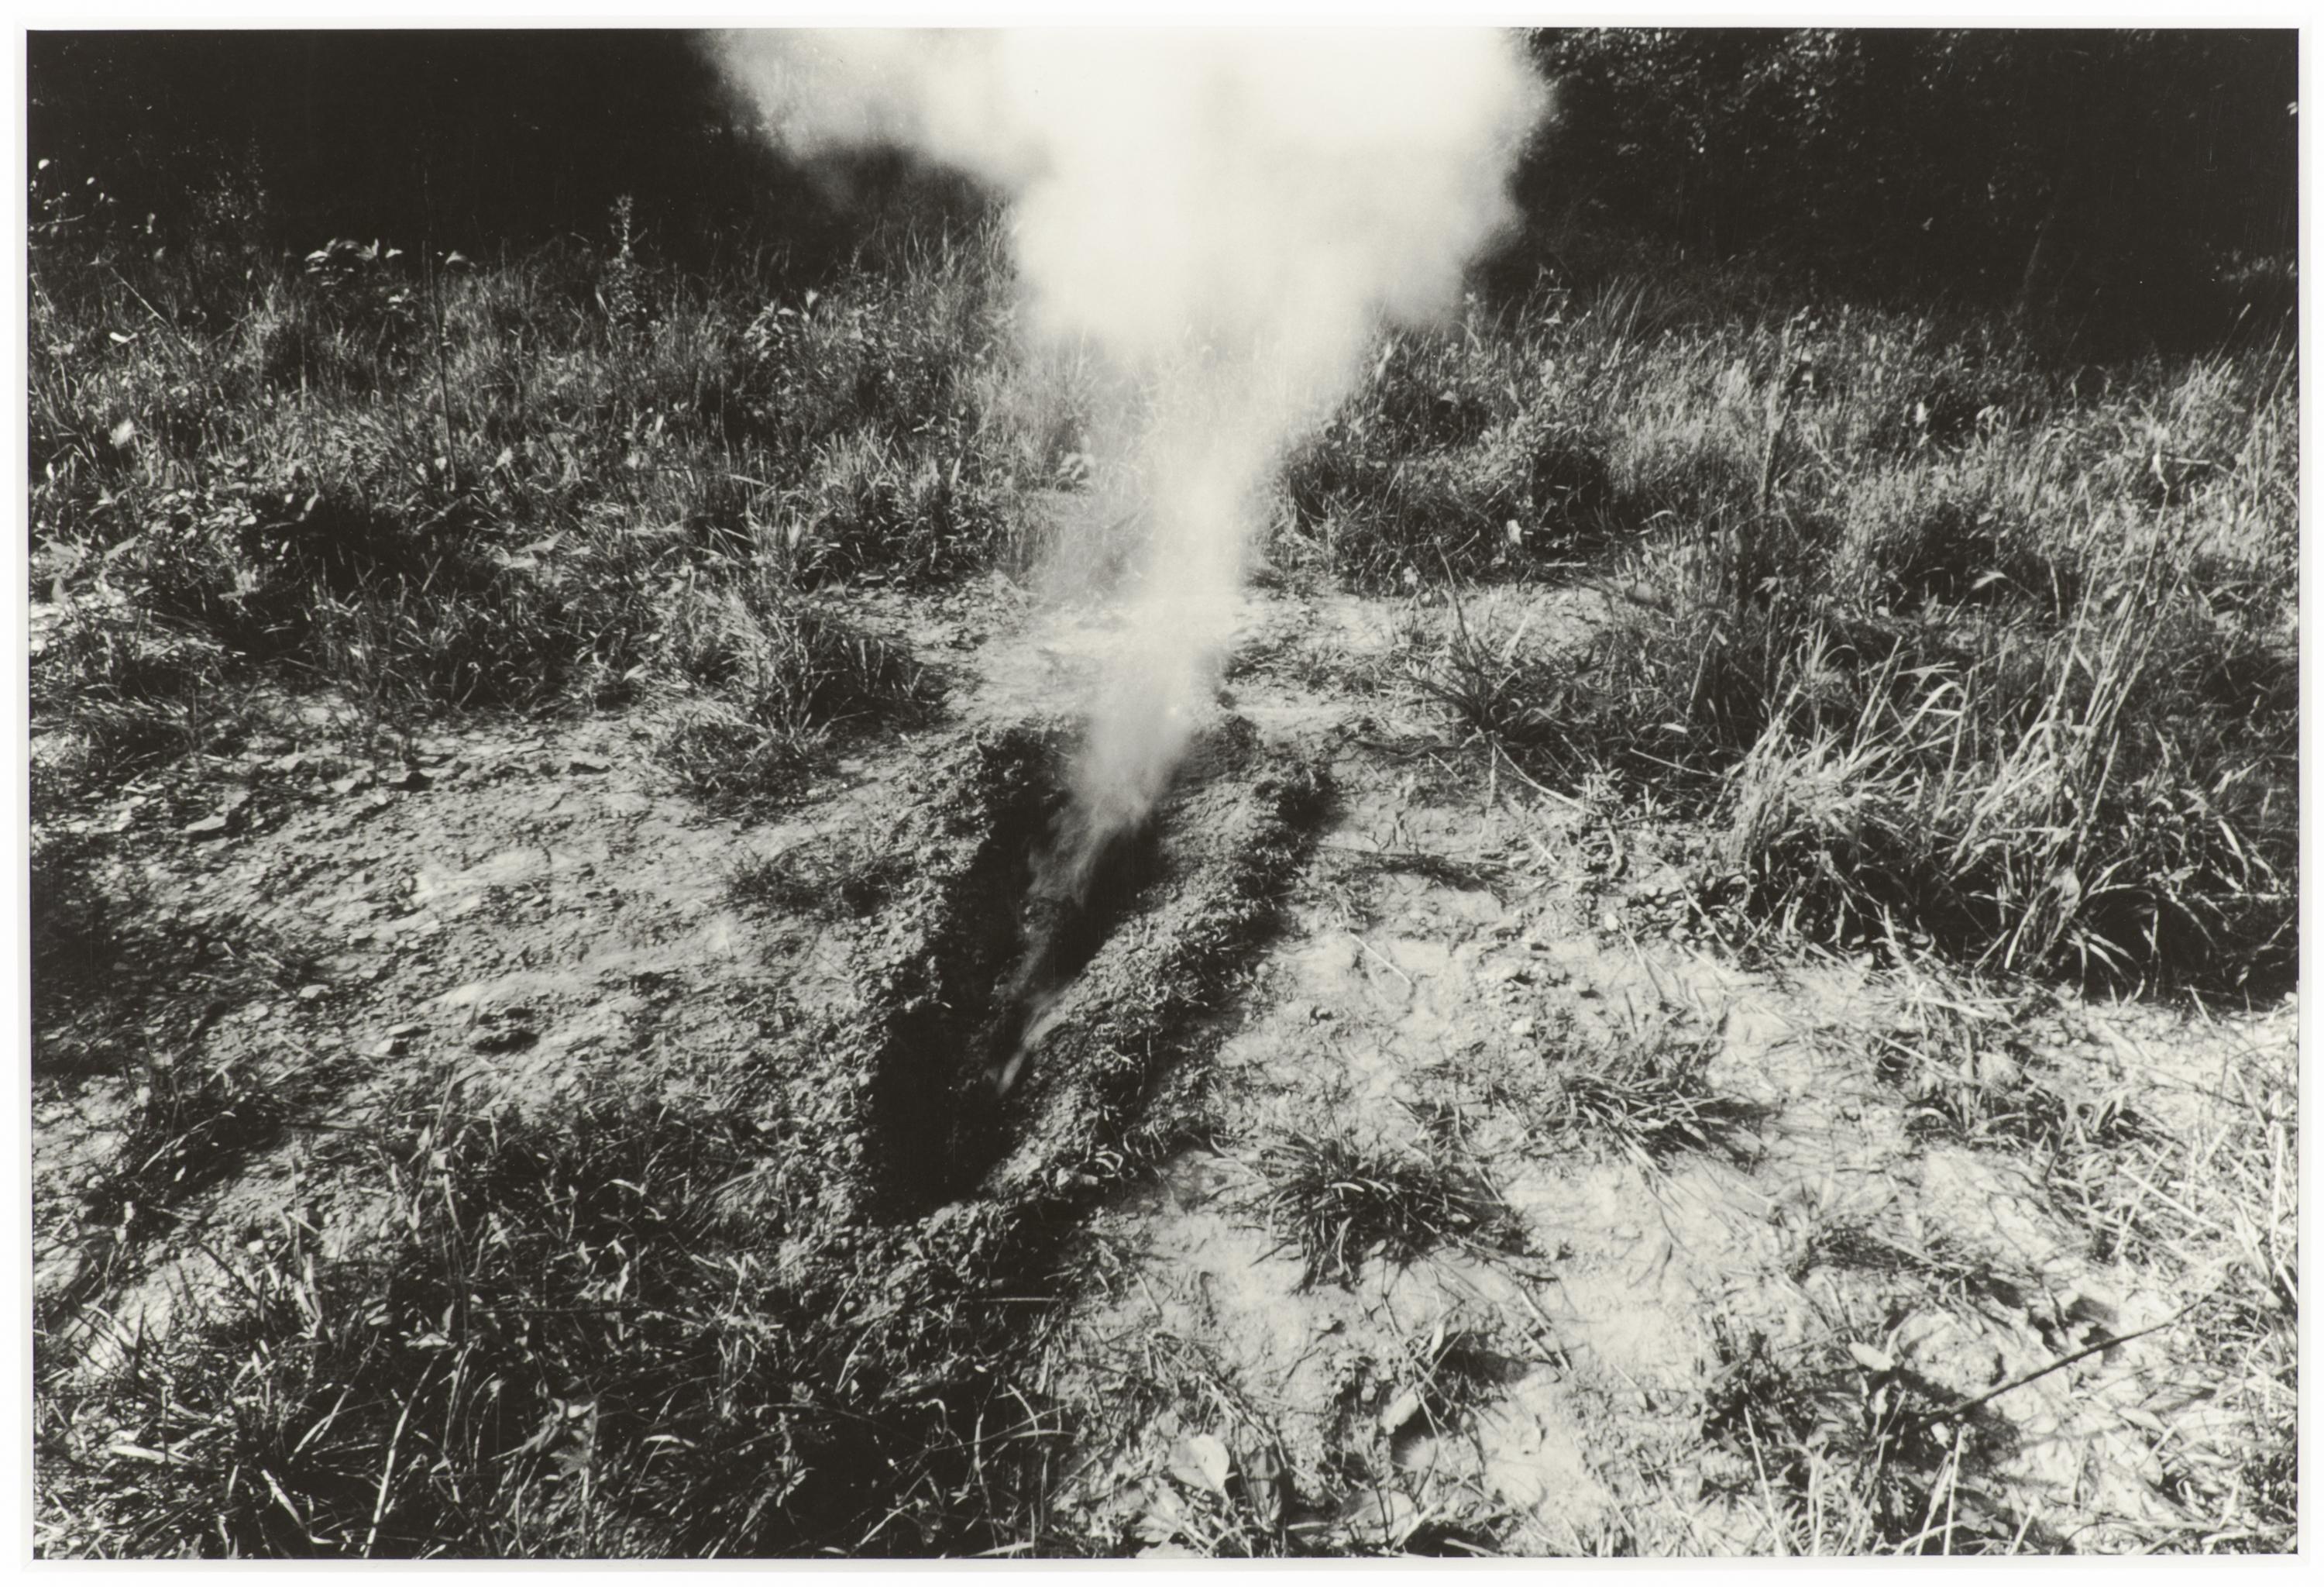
point(2121, 170)
point(2137, 175)
point(472, 138)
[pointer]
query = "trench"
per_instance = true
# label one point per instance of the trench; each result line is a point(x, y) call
point(967, 1039)
point(1008, 937)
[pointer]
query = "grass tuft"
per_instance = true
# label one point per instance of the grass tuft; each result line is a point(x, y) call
point(1646, 1090)
point(778, 679)
point(1340, 1201)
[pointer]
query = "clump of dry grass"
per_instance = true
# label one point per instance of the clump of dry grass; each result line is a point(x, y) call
point(2050, 820)
point(131, 691)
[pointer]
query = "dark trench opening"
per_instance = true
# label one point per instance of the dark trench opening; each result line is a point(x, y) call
point(1020, 926)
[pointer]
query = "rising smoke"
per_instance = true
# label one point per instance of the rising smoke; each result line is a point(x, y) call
point(1226, 218)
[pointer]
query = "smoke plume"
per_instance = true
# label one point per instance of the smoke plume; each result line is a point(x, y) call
point(1226, 217)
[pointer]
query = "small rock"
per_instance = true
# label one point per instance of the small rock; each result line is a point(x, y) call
point(289, 762)
point(354, 783)
point(407, 1029)
point(208, 826)
point(410, 778)
point(587, 763)
point(313, 992)
point(1522, 1028)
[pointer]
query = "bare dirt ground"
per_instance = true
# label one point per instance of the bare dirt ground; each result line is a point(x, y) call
point(1492, 1199)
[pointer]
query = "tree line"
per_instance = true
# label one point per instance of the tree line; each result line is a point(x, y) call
point(2129, 170)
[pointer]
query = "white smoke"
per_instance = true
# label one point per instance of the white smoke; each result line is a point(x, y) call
point(1227, 217)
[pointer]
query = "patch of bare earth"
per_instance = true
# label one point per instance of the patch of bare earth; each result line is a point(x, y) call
point(1399, 1162)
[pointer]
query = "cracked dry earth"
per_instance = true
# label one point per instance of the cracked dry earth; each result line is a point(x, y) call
point(1694, 1251)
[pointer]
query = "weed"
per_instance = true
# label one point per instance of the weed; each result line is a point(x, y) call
point(1515, 699)
point(129, 692)
point(436, 486)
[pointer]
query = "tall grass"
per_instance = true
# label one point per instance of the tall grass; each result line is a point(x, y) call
point(1952, 646)
point(1954, 642)
point(438, 483)
point(578, 1335)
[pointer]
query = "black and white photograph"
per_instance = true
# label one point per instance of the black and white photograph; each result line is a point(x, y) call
point(1149, 792)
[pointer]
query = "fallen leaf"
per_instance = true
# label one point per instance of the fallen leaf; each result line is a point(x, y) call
point(1201, 1460)
point(1159, 1522)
